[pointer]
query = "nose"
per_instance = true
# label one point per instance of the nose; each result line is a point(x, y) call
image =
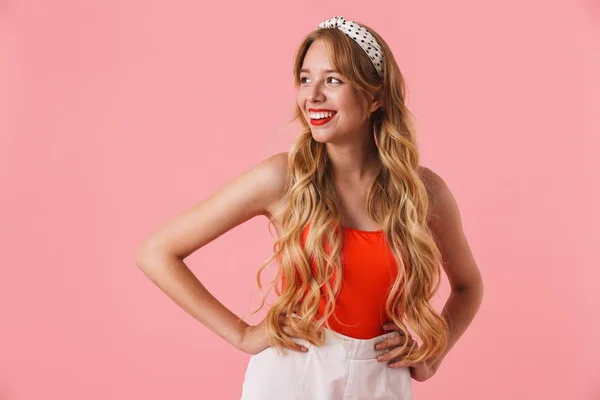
point(316, 94)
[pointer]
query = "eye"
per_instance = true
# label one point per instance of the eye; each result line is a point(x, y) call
point(331, 79)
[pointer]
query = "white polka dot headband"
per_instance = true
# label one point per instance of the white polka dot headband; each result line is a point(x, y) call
point(361, 36)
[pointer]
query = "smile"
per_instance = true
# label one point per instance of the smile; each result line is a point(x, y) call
point(321, 118)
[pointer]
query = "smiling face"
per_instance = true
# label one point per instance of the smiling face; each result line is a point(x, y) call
point(334, 109)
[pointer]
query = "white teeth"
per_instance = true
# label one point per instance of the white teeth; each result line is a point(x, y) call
point(321, 115)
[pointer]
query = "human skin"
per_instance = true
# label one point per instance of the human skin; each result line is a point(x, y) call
point(461, 269)
point(259, 190)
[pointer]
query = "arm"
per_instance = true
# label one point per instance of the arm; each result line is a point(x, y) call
point(161, 256)
point(458, 262)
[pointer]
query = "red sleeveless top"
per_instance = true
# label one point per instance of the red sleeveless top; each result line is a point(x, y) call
point(369, 270)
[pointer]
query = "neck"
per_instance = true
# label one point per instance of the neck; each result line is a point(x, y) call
point(353, 163)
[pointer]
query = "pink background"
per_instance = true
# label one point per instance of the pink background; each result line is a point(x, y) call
point(117, 115)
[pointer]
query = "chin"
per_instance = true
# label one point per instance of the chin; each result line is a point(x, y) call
point(321, 137)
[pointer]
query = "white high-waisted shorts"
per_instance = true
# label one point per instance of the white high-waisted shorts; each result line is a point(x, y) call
point(343, 368)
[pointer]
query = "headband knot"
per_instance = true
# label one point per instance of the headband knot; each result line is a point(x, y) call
point(333, 22)
point(360, 35)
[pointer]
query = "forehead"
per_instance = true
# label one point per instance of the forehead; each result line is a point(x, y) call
point(317, 57)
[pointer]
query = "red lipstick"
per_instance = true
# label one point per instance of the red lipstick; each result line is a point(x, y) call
point(321, 121)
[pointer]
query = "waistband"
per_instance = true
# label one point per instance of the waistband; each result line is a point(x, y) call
point(356, 349)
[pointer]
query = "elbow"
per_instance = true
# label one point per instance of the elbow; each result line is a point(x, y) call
point(147, 254)
point(473, 287)
point(154, 253)
point(141, 258)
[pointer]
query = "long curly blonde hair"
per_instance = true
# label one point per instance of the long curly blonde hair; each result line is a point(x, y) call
point(397, 201)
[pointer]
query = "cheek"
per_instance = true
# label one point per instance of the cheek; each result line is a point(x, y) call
point(300, 99)
point(360, 108)
point(349, 101)
point(354, 110)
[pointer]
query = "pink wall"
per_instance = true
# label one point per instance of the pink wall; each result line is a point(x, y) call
point(117, 115)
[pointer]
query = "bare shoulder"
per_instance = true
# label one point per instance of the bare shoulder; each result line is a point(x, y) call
point(279, 165)
point(268, 179)
point(433, 182)
point(446, 225)
point(251, 193)
point(442, 203)
point(277, 169)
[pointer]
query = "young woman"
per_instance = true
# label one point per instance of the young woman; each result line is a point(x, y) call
point(363, 232)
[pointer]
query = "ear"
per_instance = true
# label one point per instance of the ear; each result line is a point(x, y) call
point(377, 102)
point(376, 105)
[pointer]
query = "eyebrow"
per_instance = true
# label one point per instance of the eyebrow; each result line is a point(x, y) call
point(326, 71)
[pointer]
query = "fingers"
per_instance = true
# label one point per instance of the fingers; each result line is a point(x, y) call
point(299, 348)
point(393, 342)
point(391, 326)
point(283, 321)
point(396, 352)
point(395, 357)
point(293, 314)
point(288, 331)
